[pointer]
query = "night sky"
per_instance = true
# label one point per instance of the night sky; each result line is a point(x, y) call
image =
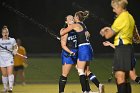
point(27, 19)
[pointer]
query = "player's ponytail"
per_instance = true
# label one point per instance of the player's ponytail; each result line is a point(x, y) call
point(82, 15)
point(86, 14)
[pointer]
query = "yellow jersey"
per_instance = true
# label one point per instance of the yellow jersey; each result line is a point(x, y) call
point(123, 26)
point(18, 60)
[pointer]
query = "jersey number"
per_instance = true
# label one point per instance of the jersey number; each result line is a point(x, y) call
point(75, 43)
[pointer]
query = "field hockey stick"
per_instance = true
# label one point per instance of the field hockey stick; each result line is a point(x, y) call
point(21, 55)
point(30, 19)
point(136, 36)
point(10, 8)
point(12, 52)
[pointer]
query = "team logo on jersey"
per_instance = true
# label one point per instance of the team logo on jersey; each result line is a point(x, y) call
point(72, 37)
point(7, 43)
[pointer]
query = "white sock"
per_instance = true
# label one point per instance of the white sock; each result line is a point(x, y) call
point(5, 82)
point(11, 80)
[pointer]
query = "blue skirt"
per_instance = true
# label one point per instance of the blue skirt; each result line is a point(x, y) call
point(85, 53)
point(69, 59)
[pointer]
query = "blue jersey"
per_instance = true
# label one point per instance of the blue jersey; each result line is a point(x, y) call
point(81, 37)
point(72, 45)
point(72, 40)
point(85, 51)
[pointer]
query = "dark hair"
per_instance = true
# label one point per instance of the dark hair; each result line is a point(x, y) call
point(82, 15)
point(4, 27)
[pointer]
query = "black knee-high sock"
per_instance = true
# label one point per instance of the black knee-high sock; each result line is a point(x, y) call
point(93, 78)
point(137, 80)
point(122, 88)
point(87, 85)
point(62, 83)
point(83, 82)
point(128, 86)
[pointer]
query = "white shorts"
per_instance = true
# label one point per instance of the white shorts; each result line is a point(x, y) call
point(6, 61)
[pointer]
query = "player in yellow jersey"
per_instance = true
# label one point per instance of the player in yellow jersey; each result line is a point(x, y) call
point(122, 29)
point(19, 62)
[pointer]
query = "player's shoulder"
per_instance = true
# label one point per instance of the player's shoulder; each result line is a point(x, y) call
point(11, 39)
point(1, 40)
point(22, 48)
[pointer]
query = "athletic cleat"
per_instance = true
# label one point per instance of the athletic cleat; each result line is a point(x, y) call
point(84, 92)
point(101, 88)
point(10, 90)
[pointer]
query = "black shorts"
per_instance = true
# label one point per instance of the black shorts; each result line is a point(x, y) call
point(123, 58)
point(17, 68)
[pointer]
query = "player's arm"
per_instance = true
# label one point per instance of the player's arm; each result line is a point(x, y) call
point(87, 34)
point(107, 43)
point(107, 32)
point(64, 42)
point(15, 49)
point(64, 31)
point(24, 53)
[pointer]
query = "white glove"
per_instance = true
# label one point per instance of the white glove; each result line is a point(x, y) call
point(14, 52)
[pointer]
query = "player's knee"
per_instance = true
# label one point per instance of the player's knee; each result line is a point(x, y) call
point(81, 71)
point(87, 73)
point(120, 78)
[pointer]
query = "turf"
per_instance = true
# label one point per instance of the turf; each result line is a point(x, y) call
point(42, 75)
point(70, 88)
point(48, 70)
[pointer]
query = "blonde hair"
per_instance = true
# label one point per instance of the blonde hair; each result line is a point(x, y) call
point(69, 16)
point(122, 3)
point(82, 15)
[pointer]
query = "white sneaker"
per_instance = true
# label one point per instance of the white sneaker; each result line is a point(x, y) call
point(93, 92)
point(101, 88)
point(10, 90)
point(90, 92)
point(85, 92)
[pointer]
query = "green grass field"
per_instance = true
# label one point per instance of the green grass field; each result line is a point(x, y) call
point(42, 76)
point(70, 88)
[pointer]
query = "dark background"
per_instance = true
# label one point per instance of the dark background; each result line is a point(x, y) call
point(51, 14)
